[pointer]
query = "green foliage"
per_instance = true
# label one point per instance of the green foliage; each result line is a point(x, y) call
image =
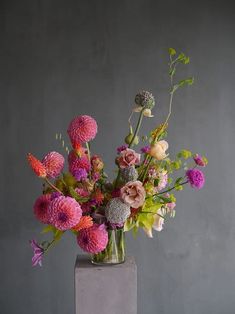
point(184, 153)
point(48, 228)
point(172, 51)
point(176, 164)
point(76, 196)
point(188, 81)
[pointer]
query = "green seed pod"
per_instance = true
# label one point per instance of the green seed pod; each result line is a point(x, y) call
point(129, 137)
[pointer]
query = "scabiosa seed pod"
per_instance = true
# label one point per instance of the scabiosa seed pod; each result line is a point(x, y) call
point(145, 99)
point(94, 239)
point(129, 174)
point(37, 166)
point(54, 163)
point(116, 211)
point(41, 208)
point(82, 129)
point(64, 212)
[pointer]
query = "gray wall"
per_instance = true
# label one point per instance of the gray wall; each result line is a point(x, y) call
point(64, 58)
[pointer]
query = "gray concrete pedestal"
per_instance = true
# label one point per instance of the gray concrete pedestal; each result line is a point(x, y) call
point(105, 289)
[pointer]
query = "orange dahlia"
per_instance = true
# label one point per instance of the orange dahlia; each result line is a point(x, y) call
point(84, 223)
point(37, 166)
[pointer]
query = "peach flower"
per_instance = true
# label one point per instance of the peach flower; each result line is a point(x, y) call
point(127, 158)
point(133, 194)
point(158, 150)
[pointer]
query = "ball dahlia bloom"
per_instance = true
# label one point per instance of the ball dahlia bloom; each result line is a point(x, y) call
point(37, 166)
point(94, 239)
point(41, 208)
point(196, 178)
point(82, 129)
point(76, 162)
point(65, 212)
point(133, 194)
point(54, 163)
point(127, 158)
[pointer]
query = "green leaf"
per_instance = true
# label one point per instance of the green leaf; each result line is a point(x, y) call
point(188, 81)
point(58, 235)
point(184, 153)
point(178, 180)
point(165, 199)
point(176, 164)
point(179, 188)
point(48, 228)
point(172, 51)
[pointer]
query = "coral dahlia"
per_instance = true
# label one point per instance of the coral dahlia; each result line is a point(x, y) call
point(54, 163)
point(65, 212)
point(94, 239)
point(82, 129)
point(84, 223)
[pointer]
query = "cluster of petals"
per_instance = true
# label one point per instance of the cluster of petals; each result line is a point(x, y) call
point(196, 178)
point(37, 166)
point(54, 163)
point(65, 212)
point(133, 194)
point(51, 165)
point(41, 208)
point(82, 129)
point(84, 223)
point(128, 157)
point(158, 150)
point(94, 239)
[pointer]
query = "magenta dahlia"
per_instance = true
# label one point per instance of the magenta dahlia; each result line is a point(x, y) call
point(79, 163)
point(196, 178)
point(54, 163)
point(65, 212)
point(82, 129)
point(94, 239)
point(41, 208)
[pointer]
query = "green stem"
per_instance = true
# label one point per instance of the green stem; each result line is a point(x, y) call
point(171, 188)
point(52, 186)
point(137, 127)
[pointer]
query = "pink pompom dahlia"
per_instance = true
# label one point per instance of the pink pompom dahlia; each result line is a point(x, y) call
point(41, 208)
point(94, 239)
point(82, 129)
point(36, 165)
point(65, 212)
point(54, 163)
point(76, 163)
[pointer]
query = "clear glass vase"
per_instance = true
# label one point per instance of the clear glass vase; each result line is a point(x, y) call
point(115, 249)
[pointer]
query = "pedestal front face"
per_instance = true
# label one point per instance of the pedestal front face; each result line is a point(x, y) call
point(105, 289)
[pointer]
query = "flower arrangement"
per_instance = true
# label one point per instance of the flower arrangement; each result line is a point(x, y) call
point(83, 201)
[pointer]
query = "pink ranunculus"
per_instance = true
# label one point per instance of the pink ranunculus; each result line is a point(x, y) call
point(127, 158)
point(133, 194)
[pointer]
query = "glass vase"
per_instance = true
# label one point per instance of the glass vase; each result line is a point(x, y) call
point(115, 249)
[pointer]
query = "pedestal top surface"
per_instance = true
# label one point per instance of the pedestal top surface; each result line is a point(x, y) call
point(83, 261)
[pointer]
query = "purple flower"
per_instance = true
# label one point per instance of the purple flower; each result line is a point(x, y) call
point(121, 148)
point(55, 195)
point(199, 160)
point(38, 252)
point(145, 149)
point(196, 178)
point(80, 174)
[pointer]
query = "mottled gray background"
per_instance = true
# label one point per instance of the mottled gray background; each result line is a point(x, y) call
point(64, 58)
